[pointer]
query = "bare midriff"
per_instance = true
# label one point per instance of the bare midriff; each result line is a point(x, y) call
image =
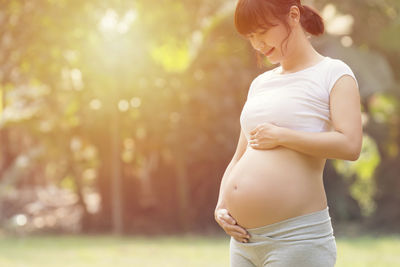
point(270, 185)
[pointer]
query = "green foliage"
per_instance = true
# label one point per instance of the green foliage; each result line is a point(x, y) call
point(173, 55)
point(360, 175)
point(68, 183)
point(384, 108)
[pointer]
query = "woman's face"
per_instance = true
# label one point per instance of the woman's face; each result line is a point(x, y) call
point(268, 41)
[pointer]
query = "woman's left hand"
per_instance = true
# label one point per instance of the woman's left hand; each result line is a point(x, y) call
point(265, 136)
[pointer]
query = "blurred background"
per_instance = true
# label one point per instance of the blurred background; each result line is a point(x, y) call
point(118, 119)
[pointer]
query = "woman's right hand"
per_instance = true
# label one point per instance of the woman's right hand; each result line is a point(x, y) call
point(230, 226)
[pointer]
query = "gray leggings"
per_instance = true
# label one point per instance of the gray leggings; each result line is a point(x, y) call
point(302, 241)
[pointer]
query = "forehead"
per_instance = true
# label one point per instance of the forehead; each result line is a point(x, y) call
point(265, 24)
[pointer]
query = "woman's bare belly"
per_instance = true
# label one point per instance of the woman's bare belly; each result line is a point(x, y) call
point(267, 186)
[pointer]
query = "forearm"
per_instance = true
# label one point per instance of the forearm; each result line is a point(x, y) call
point(319, 144)
point(224, 179)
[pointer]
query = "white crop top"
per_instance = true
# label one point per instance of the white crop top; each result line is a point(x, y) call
point(298, 100)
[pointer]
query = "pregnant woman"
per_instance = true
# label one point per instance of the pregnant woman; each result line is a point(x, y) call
point(272, 200)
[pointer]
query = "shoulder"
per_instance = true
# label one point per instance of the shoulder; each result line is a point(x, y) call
point(336, 68)
point(336, 64)
point(260, 77)
point(263, 76)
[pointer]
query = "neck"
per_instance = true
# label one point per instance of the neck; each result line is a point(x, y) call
point(302, 55)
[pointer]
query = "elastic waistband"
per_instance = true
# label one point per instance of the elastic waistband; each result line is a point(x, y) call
point(317, 217)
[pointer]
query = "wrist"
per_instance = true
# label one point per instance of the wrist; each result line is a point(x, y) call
point(282, 136)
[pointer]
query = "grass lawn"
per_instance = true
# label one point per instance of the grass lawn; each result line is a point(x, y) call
point(185, 251)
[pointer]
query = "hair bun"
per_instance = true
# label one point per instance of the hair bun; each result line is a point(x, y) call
point(311, 20)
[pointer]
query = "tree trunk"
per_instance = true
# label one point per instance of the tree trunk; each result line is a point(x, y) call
point(116, 188)
point(183, 194)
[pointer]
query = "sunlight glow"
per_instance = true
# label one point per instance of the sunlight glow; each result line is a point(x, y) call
point(95, 104)
point(45, 126)
point(109, 21)
point(89, 174)
point(346, 41)
point(21, 219)
point(76, 77)
point(135, 102)
point(328, 12)
point(22, 161)
point(92, 200)
point(112, 23)
point(126, 22)
point(336, 23)
point(123, 105)
point(75, 144)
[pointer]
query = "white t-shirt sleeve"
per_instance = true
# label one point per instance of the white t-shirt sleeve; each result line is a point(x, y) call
point(338, 69)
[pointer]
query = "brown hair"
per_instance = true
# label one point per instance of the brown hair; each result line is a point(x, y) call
point(253, 14)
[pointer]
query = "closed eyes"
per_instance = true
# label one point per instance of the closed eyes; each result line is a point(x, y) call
point(261, 32)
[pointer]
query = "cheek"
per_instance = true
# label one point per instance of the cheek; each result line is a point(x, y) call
point(278, 37)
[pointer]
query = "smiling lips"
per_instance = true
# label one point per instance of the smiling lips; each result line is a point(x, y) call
point(269, 52)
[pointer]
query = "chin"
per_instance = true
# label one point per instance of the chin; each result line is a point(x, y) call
point(273, 61)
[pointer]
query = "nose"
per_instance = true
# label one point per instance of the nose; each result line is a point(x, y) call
point(259, 45)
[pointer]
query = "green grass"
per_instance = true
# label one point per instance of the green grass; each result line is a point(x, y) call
point(189, 250)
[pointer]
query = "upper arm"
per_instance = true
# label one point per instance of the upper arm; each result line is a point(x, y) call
point(241, 146)
point(345, 108)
